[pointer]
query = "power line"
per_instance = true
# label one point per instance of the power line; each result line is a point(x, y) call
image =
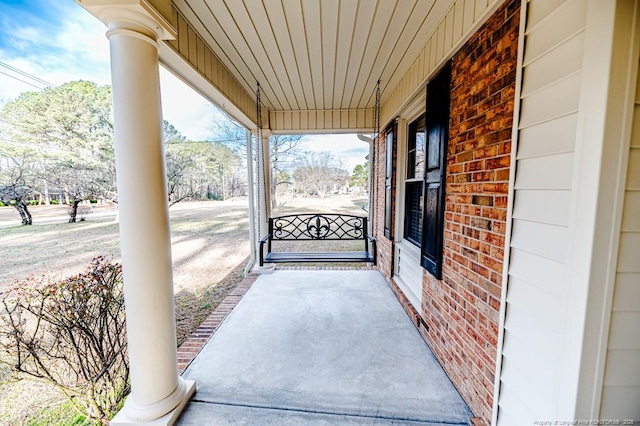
point(24, 74)
point(20, 80)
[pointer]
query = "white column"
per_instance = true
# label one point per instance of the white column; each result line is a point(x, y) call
point(157, 392)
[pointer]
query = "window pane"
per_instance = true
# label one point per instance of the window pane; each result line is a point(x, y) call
point(413, 212)
point(419, 154)
point(416, 149)
point(411, 161)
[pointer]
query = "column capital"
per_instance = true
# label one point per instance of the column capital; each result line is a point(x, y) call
point(136, 15)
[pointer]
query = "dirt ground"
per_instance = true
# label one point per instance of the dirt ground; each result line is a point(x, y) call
point(210, 248)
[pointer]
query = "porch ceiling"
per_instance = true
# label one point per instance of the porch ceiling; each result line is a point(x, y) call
point(314, 54)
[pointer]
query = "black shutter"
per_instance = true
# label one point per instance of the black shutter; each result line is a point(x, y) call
point(388, 180)
point(437, 129)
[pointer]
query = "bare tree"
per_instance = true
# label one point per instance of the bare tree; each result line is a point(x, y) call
point(284, 151)
point(202, 170)
point(319, 172)
point(17, 176)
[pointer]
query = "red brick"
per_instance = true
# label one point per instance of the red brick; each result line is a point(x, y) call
point(462, 310)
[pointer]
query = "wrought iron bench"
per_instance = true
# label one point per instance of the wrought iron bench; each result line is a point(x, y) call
point(316, 227)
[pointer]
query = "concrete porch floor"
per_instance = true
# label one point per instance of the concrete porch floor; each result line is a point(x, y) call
point(320, 348)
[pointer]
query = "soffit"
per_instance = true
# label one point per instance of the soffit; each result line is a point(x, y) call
point(315, 54)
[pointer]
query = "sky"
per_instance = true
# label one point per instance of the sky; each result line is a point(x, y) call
point(57, 41)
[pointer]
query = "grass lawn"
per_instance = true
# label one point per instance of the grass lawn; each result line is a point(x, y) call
point(210, 247)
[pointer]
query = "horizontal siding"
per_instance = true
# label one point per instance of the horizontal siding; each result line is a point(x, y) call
point(627, 294)
point(556, 211)
point(537, 400)
point(557, 64)
point(620, 402)
point(633, 177)
point(410, 272)
point(544, 240)
point(519, 408)
point(553, 101)
point(551, 137)
point(630, 216)
point(552, 172)
point(628, 257)
point(559, 25)
point(623, 368)
point(625, 331)
point(546, 274)
point(528, 326)
point(538, 274)
point(528, 298)
point(541, 10)
point(621, 388)
point(522, 352)
point(345, 120)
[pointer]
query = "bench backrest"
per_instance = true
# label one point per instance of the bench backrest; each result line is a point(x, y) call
point(318, 227)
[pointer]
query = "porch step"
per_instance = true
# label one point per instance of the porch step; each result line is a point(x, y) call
point(200, 413)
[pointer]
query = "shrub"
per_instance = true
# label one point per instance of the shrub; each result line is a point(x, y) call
point(54, 201)
point(2, 204)
point(72, 334)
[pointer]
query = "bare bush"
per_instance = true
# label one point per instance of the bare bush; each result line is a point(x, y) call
point(72, 334)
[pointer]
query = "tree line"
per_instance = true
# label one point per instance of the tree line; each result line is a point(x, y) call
point(56, 146)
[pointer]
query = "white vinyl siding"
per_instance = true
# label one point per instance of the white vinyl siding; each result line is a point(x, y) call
point(621, 387)
point(540, 238)
point(408, 273)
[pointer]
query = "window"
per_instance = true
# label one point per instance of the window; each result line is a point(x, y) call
point(388, 180)
point(437, 135)
point(413, 184)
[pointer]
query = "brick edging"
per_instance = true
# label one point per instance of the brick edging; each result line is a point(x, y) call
point(196, 340)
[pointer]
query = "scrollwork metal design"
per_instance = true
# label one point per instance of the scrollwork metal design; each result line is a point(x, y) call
point(318, 227)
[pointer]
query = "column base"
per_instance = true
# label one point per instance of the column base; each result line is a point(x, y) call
point(125, 417)
point(266, 269)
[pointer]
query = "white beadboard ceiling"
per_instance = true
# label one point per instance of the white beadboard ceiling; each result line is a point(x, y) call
point(314, 54)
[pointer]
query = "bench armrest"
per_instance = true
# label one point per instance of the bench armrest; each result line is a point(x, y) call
point(262, 241)
point(265, 238)
point(374, 246)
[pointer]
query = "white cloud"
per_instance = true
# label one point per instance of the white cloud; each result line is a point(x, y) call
point(189, 112)
point(73, 49)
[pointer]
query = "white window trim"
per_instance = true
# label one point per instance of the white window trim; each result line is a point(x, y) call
point(413, 111)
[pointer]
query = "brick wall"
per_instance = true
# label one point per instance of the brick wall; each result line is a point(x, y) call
point(462, 310)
